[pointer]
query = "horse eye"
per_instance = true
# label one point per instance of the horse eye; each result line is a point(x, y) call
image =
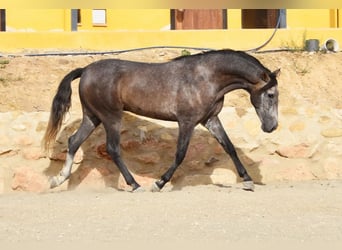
point(270, 95)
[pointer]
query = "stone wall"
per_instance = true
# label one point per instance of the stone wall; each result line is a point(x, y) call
point(307, 145)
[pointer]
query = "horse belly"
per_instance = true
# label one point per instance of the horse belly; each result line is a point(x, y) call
point(153, 105)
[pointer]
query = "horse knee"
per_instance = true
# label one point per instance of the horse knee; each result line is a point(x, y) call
point(113, 151)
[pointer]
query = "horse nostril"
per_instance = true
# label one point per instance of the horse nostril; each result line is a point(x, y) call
point(274, 127)
point(269, 129)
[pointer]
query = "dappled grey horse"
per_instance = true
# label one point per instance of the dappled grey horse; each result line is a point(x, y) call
point(189, 90)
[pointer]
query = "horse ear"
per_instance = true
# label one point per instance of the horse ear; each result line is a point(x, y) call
point(265, 77)
point(276, 73)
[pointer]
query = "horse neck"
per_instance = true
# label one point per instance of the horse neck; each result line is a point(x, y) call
point(235, 76)
point(238, 74)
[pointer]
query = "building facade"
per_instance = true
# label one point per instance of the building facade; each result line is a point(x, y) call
point(127, 28)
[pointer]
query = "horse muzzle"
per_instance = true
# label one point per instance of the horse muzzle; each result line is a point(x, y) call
point(269, 128)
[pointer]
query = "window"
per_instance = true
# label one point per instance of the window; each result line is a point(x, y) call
point(99, 17)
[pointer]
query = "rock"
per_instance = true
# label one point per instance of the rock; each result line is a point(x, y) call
point(218, 149)
point(33, 153)
point(5, 150)
point(41, 126)
point(142, 136)
point(211, 161)
point(196, 179)
point(332, 132)
point(289, 111)
point(130, 144)
point(101, 151)
point(196, 150)
point(295, 172)
point(240, 111)
point(26, 179)
point(249, 146)
point(5, 140)
point(223, 176)
point(78, 156)
point(333, 169)
point(166, 137)
point(296, 151)
point(194, 165)
point(61, 156)
point(148, 158)
point(19, 127)
point(252, 127)
point(324, 119)
point(334, 148)
point(88, 177)
point(2, 181)
point(24, 140)
point(310, 111)
point(297, 126)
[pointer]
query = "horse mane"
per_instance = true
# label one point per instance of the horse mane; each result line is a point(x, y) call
point(232, 55)
point(238, 53)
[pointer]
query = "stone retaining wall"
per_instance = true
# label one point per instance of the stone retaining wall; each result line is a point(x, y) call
point(307, 145)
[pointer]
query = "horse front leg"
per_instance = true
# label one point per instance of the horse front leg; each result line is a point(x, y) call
point(216, 129)
point(184, 135)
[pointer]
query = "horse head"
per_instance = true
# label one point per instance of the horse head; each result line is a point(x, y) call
point(264, 97)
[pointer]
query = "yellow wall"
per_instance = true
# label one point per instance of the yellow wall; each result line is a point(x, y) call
point(122, 40)
point(38, 20)
point(127, 29)
point(148, 19)
point(141, 19)
point(313, 18)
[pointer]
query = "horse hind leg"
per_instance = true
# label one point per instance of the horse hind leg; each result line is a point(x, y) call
point(87, 126)
point(112, 127)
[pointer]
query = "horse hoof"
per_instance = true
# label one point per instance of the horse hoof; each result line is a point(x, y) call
point(138, 190)
point(155, 188)
point(53, 182)
point(248, 186)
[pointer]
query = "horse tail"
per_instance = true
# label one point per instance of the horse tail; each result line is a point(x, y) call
point(60, 105)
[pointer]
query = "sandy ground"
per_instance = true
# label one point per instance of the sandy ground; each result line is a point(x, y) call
point(299, 212)
point(294, 212)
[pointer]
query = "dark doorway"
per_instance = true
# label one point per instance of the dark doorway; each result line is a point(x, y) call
point(182, 19)
point(262, 18)
point(2, 20)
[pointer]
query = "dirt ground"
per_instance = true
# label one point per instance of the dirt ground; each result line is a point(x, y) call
point(307, 212)
point(29, 83)
point(302, 212)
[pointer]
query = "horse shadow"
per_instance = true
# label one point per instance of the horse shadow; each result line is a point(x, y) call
point(148, 149)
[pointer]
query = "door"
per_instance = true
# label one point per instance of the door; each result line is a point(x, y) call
point(260, 18)
point(182, 19)
point(2, 20)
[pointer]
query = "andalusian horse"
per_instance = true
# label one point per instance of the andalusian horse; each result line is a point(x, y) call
point(189, 90)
